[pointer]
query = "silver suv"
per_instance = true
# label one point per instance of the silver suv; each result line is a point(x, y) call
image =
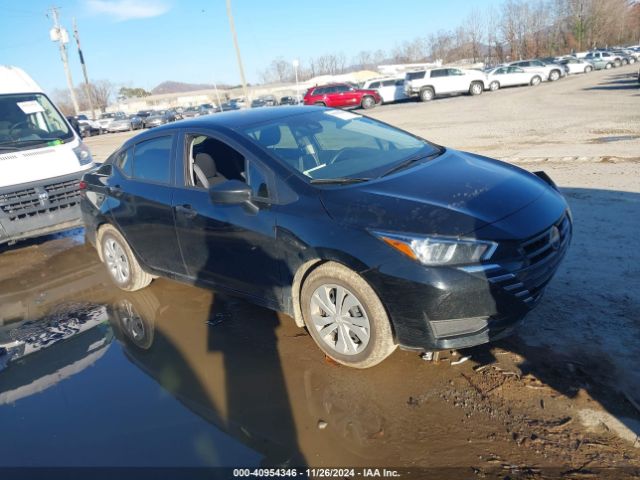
point(428, 84)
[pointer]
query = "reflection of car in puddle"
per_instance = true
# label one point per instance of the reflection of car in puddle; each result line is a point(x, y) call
point(37, 354)
point(228, 379)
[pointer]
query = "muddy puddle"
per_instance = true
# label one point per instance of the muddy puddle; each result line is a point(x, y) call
point(175, 375)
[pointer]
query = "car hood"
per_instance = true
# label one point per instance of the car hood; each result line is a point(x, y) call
point(455, 194)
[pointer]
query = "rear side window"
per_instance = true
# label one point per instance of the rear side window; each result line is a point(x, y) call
point(415, 75)
point(374, 85)
point(123, 161)
point(388, 83)
point(152, 160)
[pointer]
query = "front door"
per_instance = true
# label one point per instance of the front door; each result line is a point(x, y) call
point(230, 246)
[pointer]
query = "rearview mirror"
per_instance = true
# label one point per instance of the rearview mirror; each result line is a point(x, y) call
point(231, 192)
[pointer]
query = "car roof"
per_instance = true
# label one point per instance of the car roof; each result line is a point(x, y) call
point(233, 120)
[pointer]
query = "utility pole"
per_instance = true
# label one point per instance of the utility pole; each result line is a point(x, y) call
point(60, 35)
point(87, 86)
point(235, 43)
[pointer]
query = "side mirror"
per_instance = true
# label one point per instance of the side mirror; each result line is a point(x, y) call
point(231, 192)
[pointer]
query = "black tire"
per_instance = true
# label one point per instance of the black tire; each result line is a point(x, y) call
point(476, 88)
point(625, 61)
point(587, 69)
point(608, 66)
point(380, 342)
point(320, 104)
point(427, 94)
point(536, 80)
point(554, 75)
point(493, 86)
point(616, 63)
point(136, 278)
point(368, 102)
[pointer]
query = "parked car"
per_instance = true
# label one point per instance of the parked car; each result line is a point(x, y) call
point(428, 84)
point(390, 89)
point(367, 235)
point(340, 95)
point(577, 65)
point(143, 114)
point(132, 122)
point(106, 118)
point(626, 57)
point(257, 103)
point(190, 112)
point(289, 100)
point(159, 117)
point(601, 60)
point(264, 101)
point(550, 72)
point(207, 109)
point(511, 76)
point(88, 127)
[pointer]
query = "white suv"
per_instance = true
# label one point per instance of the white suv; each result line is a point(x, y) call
point(549, 71)
point(427, 84)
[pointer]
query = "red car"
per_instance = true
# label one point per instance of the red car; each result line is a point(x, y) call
point(341, 95)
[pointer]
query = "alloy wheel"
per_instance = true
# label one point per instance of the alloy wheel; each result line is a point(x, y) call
point(340, 319)
point(116, 260)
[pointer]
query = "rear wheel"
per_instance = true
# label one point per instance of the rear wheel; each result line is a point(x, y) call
point(320, 104)
point(493, 86)
point(608, 66)
point(345, 317)
point(476, 88)
point(554, 75)
point(536, 81)
point(426, 94)
point(122, 265)
point(587, 69)
point(368, 102)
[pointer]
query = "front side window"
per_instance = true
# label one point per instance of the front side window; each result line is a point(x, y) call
point(31, 121)
point(374, 85)
point(438, 73)
point(152, 160)
point(336, 144)
point(211, 161)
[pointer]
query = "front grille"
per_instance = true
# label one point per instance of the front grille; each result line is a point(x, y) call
point(33, 201)
point(542, 257)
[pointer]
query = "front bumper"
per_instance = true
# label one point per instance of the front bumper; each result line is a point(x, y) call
point(458, 307)
point(39, 208)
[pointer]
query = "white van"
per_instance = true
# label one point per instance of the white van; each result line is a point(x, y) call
point(41, 161)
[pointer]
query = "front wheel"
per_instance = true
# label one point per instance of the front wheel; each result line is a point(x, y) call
point(426, 94)
point(608, 66)
point(587, 69)
point(554, 75)
point(476, 88)
point(122, 265)
point(493, 86)
point(368, 102)
point(536, 81)
point(345, 317)
point(320, 104)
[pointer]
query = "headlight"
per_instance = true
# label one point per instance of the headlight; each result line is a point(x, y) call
point(438, 250)
point(83, 154)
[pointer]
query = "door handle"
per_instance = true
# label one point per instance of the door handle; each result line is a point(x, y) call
point(186, 210)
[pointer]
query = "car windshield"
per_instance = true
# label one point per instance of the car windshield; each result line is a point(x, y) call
point(334, 144)
point(30, 121)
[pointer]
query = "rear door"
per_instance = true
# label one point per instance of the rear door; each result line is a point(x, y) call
point(440, 80)
point(140, 192)
point(348, 95)
point(517, 76)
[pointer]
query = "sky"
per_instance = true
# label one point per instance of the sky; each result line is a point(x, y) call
point(140, 43)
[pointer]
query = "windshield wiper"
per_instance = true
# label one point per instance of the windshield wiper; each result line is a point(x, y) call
point(37, 140)
point(408, 162)
point(339, 180)
point(12, 149)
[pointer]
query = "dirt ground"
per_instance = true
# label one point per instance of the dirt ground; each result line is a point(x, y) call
point(561, 398)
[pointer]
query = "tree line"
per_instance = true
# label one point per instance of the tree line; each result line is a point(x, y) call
point(516, 29)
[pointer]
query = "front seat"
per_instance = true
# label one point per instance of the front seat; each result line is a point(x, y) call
point(206, 172)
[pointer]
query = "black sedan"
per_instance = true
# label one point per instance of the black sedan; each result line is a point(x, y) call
point(365, 234)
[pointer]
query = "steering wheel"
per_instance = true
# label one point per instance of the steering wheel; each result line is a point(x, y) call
point(15, 127)
point(338, 156)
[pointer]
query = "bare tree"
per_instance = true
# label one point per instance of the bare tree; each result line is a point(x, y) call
point(475, 29)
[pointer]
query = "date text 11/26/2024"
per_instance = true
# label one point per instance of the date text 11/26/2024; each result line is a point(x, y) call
point(316, 473)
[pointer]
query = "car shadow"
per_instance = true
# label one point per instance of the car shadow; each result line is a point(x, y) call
point(621, 81)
